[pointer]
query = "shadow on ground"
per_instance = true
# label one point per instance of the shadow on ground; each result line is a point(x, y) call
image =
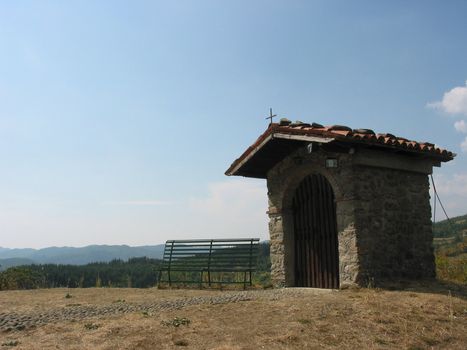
point(427, 286)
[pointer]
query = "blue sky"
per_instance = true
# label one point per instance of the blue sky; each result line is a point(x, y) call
point(118, 119)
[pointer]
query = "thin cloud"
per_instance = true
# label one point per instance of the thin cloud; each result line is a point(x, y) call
point(454, 101)
point(452, 189)
point(231, 195)
point(138, 203)
point(234, 207)
point(452, 185)
point(464, 146)
point(461, 126)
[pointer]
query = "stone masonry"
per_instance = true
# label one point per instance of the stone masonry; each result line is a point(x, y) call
point(382, 219)
point(382, 208)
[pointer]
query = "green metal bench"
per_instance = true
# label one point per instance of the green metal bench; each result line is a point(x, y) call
point(189, 261)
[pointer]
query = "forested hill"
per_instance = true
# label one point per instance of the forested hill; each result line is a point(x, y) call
point(136, 272)
point(455, 227)
point(76, 256)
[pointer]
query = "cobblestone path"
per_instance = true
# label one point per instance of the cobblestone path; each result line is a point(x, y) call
point(75, 312)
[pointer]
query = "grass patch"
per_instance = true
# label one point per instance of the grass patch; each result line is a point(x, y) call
point(381, 341)
point(176, 322)
point(11, 343)
point(430, 341)
point(304, 321)
point(91, 326)
point(181, 342)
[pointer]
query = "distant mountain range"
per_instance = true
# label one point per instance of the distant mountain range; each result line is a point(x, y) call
point(75, 256)
point(456, 227)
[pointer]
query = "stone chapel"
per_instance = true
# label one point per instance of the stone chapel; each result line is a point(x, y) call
point(346, 206)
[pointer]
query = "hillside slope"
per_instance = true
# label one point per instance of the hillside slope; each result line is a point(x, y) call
point(456, 226)
point(82, 255)
point(10, 262)
point(420, 317)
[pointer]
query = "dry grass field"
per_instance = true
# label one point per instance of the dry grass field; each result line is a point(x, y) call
point(418, 317)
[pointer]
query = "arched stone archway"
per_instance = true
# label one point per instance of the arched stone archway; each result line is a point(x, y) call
point(316, 259)
point(381, 199)
point(283, 182)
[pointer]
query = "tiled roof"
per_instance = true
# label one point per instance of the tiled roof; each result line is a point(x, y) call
point(345, 134)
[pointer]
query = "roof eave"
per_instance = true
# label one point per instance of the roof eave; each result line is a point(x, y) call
point(237, 164)
point(325, 135)
point(266, 138)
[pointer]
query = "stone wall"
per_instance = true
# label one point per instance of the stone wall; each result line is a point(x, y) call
point(383, 218)
point(393, 222)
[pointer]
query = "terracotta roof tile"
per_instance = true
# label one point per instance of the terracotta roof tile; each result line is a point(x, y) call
point(345, 134)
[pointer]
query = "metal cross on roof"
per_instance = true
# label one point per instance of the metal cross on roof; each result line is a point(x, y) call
point(271, 116)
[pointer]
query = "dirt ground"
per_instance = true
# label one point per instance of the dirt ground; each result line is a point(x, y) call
point(421, 317)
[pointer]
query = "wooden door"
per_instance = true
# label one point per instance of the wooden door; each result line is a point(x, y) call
point(315, 230)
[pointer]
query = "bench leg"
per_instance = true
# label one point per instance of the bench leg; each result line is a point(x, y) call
point(159, 278)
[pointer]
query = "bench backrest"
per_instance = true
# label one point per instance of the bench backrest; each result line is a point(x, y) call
point(210, 255)
point(213, 254)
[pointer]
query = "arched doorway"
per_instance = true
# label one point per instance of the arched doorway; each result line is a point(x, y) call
point(315, 234)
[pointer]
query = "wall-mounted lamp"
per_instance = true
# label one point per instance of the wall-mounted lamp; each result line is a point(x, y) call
point(298, 160)
point(331, 163)
point(313, 147)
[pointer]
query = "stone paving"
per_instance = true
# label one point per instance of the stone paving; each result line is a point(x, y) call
point(75, 312)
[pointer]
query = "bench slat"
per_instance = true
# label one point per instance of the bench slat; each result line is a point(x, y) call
point(217, 240)
point(204, 256)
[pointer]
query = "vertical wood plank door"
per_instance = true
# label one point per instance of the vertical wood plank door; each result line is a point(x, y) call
point(315, 234)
